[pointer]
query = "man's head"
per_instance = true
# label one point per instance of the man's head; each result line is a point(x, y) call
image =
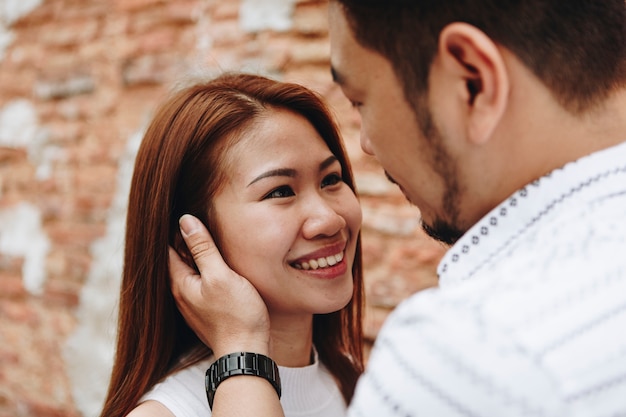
point(577, 48)
point(438, 84)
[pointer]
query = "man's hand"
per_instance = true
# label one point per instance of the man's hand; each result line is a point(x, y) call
point(223, 308)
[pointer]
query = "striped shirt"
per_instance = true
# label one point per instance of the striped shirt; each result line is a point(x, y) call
point(530, 315)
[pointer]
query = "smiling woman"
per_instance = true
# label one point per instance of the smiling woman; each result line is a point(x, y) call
point(301, 211)
point(261, 163)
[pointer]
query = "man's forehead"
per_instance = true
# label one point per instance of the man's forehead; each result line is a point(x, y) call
point(342, 43)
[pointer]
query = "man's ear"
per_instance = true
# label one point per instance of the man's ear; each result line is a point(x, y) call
point(472, 58)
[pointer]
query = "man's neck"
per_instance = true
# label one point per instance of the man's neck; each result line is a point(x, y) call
point(569, 137)
point(540, 136)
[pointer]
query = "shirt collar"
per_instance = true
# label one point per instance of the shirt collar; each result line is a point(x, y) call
point(522, 210)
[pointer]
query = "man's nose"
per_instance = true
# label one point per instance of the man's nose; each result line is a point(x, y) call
point(366, 145)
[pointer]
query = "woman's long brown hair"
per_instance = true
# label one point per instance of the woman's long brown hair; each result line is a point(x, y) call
point(178, 170)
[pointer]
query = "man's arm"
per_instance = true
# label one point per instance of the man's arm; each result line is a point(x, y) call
point(228, 314)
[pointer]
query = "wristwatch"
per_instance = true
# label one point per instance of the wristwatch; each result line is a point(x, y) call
point(240, 363)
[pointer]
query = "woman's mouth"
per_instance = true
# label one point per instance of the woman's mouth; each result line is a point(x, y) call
point(319, 263)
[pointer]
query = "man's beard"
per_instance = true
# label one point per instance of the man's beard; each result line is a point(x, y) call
point(443, 232)
point(440, 230)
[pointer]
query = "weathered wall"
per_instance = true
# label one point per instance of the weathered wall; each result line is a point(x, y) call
point(78, 82)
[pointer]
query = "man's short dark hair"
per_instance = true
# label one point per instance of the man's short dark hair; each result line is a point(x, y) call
point(577, 48)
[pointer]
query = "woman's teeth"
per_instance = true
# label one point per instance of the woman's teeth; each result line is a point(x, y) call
point(320, 262)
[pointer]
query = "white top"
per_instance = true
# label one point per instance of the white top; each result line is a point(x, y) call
point(310, 391)
point(530, 316)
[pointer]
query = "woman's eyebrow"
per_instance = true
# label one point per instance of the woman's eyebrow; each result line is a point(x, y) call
point(280, 172)
point(291, 173)
point(328, 162)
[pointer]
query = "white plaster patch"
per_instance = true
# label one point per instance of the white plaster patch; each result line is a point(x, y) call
point(11, 11)
point(92, 345)
point(19, 128)
point(22, 235)
point(204, 41)
point(6, 38)
point(18, 124)
point(258, 15)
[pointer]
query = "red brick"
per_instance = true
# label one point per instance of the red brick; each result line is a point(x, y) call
point(20, 312)
point(310, 51)
point(182, 11)
point(70, 32)
point(159, 40)
point(46, 12)
point(62, 293)
point(115, 26)
point(132, 5)
point(311, 19)
point(415, 254)
point(225, 10)
point(75, 234)
point(227, 32)
point(42, 409)
point(11, 285)
point(373, 321)
point(373, 249)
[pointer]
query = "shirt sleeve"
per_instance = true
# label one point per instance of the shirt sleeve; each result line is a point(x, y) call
point(437, 359)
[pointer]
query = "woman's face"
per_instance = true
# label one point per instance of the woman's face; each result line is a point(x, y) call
point(285, 219)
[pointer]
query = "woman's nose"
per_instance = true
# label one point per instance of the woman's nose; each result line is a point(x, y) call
point(322, 220)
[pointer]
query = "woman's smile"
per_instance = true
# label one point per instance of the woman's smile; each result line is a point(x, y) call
point(321, 263)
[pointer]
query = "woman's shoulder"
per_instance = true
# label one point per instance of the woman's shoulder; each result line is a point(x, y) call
point(181, 393)
point(151, 408)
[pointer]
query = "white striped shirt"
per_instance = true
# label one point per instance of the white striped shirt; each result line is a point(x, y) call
point(530, 315)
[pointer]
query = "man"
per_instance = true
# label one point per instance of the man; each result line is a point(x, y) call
point(505, 123)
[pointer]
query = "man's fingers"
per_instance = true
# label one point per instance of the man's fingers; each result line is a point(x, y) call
point(185, 283)
point(179, 271)
point(178, 267)
point(206, 300)
point(201, 245)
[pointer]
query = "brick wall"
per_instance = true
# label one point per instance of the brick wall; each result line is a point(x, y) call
point(78, 82)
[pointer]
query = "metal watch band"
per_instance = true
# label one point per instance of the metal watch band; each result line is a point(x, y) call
point(240, 363)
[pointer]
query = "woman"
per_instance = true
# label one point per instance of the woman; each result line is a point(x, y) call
point(261, 163)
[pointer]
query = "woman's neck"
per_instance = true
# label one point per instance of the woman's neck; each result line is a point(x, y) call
point(291, 340)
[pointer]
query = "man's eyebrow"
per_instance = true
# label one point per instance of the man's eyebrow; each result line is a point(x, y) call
point(280, 172)
point(291, 173)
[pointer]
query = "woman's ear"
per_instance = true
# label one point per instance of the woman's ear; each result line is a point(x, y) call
point(475, 63)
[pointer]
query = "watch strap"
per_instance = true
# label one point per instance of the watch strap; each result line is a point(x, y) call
point(240, 363)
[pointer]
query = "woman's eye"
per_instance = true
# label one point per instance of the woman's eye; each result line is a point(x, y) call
point(280, 192)
point(331, 179)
